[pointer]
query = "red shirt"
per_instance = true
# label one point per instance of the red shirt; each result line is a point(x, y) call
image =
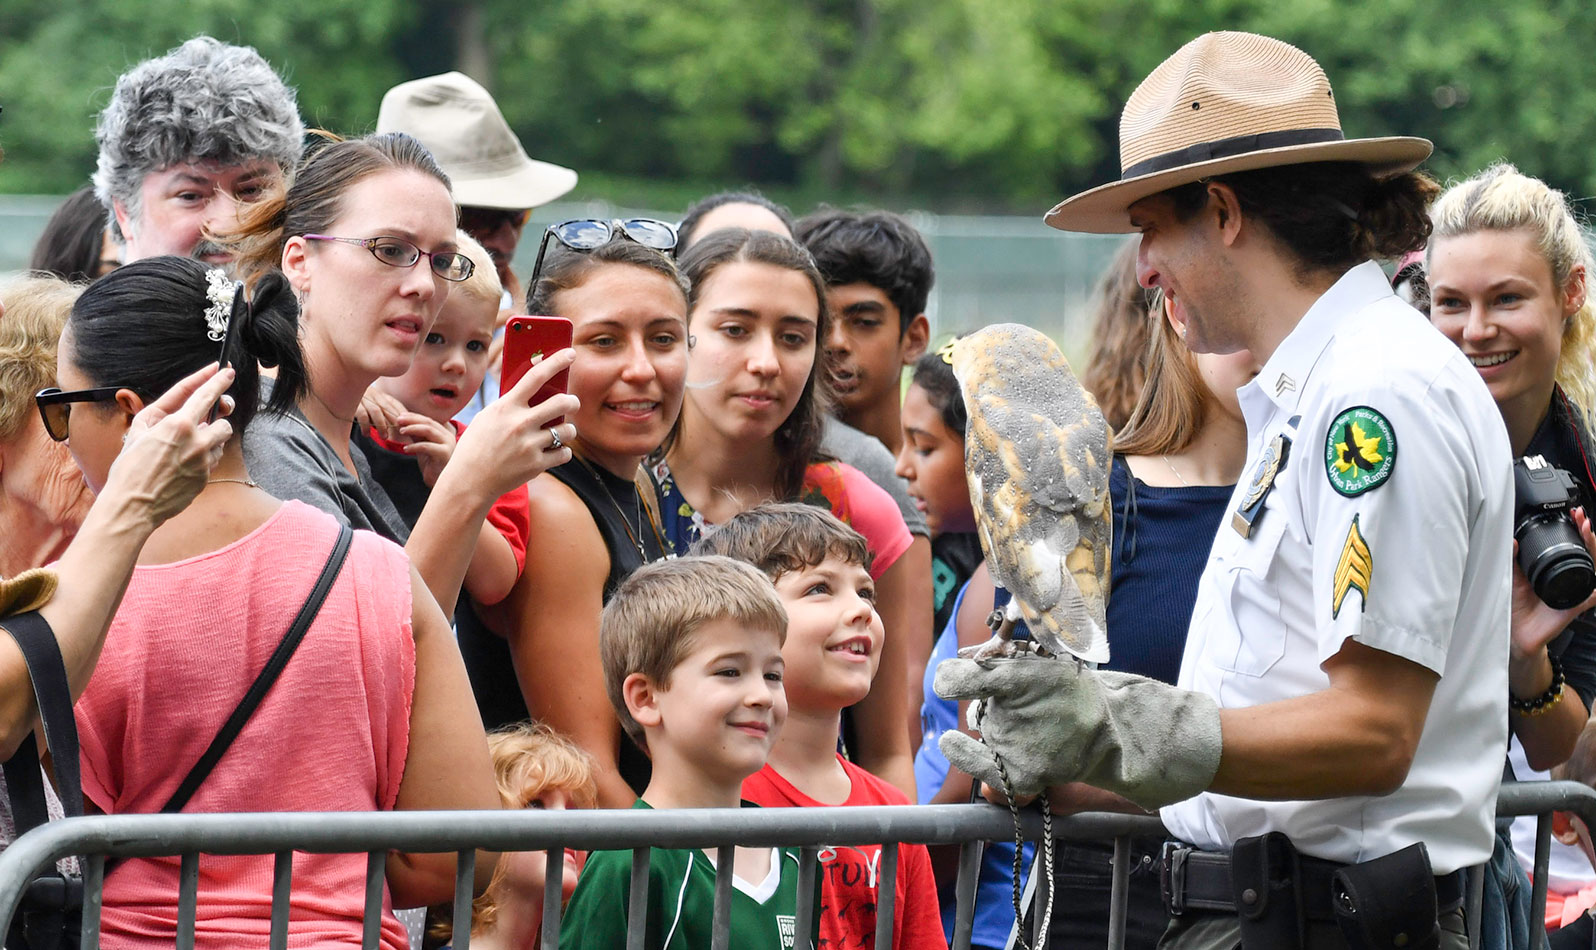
point(511, 515)
point(848, 891)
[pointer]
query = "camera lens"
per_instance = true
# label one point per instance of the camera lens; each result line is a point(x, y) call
point(1555, 561)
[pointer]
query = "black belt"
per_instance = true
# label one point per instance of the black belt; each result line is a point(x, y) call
point(1200, 880)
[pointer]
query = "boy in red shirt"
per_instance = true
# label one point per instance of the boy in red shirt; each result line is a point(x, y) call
point(820, 567)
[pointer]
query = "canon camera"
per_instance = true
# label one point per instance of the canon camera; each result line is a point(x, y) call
point(1549, 547)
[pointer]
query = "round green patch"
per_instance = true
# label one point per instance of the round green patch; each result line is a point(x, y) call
point(1359, 451)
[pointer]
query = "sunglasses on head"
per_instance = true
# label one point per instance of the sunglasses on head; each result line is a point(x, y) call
point(588, 234)
point(55, 406)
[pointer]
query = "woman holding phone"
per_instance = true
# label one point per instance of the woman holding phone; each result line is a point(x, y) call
point(365, 236)
point(215, 588)
point(594, 519)
point(750, 433)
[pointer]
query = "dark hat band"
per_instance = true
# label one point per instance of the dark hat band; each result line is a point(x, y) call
point(1226, 148)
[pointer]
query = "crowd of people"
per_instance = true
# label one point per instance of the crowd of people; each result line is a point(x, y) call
point(723, 550)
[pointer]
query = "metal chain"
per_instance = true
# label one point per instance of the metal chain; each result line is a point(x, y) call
point(1019, 844)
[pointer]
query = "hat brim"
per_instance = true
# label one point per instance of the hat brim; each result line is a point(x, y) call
point(530, 186)
point(1105, 209)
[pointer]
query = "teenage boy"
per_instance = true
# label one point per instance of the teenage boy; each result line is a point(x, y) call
point(820, 567)
point(691, 650)
point(878, 277)
point(415, 438)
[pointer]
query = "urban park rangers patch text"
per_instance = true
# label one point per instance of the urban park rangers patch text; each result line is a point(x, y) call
point(1359, 451)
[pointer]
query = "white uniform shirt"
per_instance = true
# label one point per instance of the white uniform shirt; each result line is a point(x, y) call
point(1426, 577)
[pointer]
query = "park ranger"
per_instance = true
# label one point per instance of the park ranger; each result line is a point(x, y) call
point(1330, 760)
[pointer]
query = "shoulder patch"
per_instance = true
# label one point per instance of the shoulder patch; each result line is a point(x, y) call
point(1354, 570)
point(1359, 451)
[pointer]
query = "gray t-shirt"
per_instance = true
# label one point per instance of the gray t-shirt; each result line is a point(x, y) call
point(289, 459)
point(866, 453)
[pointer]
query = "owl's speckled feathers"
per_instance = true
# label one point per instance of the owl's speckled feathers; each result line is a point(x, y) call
point(1037, 454)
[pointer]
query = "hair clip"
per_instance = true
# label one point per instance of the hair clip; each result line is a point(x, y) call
point(946, 351)
point(219, 290)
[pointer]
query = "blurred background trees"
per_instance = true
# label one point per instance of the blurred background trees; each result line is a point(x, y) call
point(979, 106)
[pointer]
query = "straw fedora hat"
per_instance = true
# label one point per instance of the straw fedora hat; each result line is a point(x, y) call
point(1226, 102)
point(462, 126)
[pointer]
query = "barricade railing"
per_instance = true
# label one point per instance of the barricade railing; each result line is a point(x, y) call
point(811, 830)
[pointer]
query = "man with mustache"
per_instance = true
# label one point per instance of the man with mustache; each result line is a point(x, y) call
point(185, 140)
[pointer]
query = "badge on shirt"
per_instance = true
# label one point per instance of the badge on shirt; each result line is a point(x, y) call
point(1359, 451)
point(1262, 482)
point(1354, 569)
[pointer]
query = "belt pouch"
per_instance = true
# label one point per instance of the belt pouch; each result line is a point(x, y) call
point(1264, 876)
point(1388, 902)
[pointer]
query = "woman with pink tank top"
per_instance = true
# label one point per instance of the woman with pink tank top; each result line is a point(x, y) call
point(372, 710)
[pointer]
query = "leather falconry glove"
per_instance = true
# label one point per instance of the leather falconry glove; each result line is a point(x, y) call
point(1055, 721)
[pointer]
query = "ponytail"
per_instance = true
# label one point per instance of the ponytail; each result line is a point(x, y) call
point(143, 327)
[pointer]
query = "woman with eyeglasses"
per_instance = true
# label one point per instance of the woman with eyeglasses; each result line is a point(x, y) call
point(750, 433)
point(215, 590)
point(596, 518)
point(365, 236)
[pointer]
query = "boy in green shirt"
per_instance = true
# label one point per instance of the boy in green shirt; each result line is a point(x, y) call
point(691, 650)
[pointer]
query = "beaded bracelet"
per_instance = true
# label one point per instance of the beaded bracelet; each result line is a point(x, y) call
point(1545, 701)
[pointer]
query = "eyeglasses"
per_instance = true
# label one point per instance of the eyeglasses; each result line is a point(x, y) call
point(55, 406)
point(476, 221)
point(450, 265)
point(588, 234)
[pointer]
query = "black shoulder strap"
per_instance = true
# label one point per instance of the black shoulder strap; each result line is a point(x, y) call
point(268, 675)
point(24, 784)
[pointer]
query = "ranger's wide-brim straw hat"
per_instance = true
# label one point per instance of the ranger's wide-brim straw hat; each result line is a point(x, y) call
point(1226, 102)
point(460, 124)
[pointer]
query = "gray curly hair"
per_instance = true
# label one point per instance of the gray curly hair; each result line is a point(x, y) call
point(204, 101)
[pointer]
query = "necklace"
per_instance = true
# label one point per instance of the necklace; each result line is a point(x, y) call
point(626, 525)
point(1172, 468)
point(237, 481)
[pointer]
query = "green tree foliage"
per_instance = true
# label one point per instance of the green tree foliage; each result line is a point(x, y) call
point(954, 104)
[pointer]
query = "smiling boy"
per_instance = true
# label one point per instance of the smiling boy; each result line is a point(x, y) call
point(820, 568)
point(691, 650)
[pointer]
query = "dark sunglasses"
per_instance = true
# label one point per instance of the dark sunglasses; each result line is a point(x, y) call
point(55, 406)
point(588, 234)
point(474, 221)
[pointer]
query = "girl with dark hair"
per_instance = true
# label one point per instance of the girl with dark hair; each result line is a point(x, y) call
point(215, 588)
point(750, 432)
point(74, 245)
point(365, 236)
point(596, 518)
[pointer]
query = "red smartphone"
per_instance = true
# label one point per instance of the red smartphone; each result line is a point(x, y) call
point(529, 337)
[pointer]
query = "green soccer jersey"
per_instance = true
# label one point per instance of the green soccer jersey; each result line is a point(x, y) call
point(681, 903)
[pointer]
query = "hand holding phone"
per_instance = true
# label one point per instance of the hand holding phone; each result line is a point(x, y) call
point(526, 338)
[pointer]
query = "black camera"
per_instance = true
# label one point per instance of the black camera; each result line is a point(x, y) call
point(1549, 547)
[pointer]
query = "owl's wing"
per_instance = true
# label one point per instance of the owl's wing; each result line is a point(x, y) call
point(1037, 455)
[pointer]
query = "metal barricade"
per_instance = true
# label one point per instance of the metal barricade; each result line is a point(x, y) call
point(97, 838)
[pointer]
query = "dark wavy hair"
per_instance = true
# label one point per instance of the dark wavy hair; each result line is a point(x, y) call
point(878, 248)
point(142, 327)
point(798, 438)
point(1331, 216)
